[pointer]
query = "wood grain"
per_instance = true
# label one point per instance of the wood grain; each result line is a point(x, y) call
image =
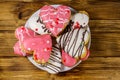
point(104, 61)
point(97, 9)
point(93, 68)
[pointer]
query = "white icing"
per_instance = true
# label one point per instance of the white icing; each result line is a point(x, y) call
point(82, 19)
point(69, 47)
point(33, 24)
point(56, 56)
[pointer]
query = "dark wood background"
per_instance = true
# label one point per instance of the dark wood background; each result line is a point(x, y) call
point(104, 61)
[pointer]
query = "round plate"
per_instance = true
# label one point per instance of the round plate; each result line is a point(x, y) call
point(30, 58)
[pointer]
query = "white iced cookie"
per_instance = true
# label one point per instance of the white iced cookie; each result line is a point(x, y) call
point(80, 19)
point(73, 42)
point(36, 25)
point(54, 64)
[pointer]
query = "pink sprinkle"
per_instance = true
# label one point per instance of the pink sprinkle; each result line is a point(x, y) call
point(56, 22)
point(51, 26)
point(68, 11)
point(77, 25)
point(36, 29)
point(35, 57)
point(57, 18)
point(22, 28)
point(49, 49)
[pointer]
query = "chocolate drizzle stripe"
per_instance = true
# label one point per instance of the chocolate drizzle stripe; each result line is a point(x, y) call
point(70, 38)
point(57, 47)
point(55, 68)
point(55, 56)
point(43, 27)
point(51, 69)
point(55, 60)
point(54, 63)
point(65, 38)
point(69, 41)
point(80, 48)
point(54, 52)
point(74, 42)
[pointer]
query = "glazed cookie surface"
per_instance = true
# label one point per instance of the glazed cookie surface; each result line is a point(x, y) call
point(80, 20)
point(55, 19)
point(37, 25)
point(73, 42)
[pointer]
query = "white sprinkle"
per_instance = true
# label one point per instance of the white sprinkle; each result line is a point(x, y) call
point(29, 49)
point(59, 29)
point(55, 13)
point(45, 49)
point(48, 41)
point(51, 29)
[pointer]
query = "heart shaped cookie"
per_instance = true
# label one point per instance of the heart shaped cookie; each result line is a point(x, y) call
point(55, 19)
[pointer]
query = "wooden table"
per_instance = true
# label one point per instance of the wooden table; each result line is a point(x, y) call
point(104, 61)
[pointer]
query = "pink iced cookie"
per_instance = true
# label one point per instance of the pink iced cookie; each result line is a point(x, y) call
point(17, 49)
point(67, 60)
point(40, 45)
point(22, 33)
point(55, 19)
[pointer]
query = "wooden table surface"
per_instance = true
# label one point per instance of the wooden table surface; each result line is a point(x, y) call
point(104, 61)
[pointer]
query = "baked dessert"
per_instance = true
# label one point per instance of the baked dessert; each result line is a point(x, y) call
point(55, 38)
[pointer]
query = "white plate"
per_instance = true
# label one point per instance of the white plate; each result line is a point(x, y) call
point(30, 58)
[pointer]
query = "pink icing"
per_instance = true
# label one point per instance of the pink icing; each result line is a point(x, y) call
point(22, 33)
point(67, 59)
point(87, 55)
point(40, 46)
point(17, 49)
point(55, 19)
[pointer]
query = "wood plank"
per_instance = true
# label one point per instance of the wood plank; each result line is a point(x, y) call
point(19, 0)
point(108, 26)
point(96, 9)
point(94, 68)
point(81, 75)
point(95, 25)
point(101, 63)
